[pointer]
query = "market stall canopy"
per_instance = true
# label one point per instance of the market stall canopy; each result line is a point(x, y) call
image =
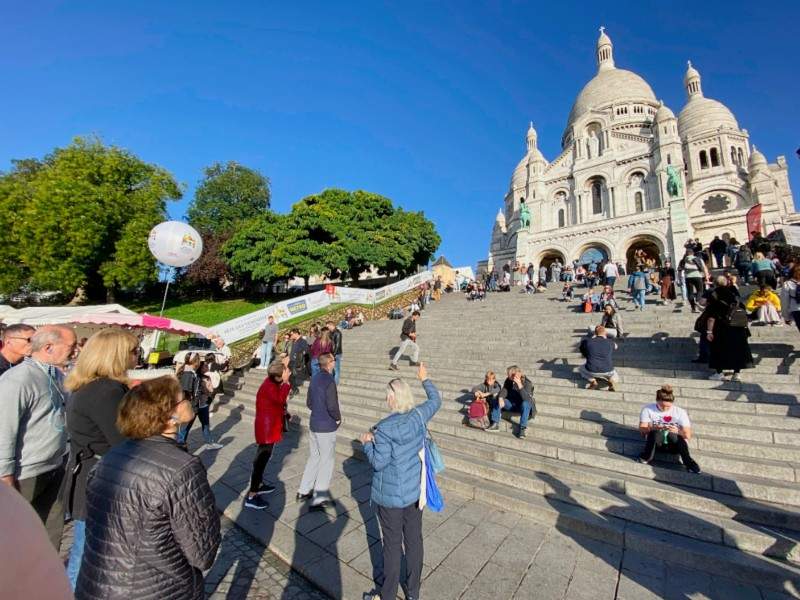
point(107, 314)
point(43, 315)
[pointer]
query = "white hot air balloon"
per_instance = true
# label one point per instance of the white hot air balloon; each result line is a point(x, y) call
point(175, 243)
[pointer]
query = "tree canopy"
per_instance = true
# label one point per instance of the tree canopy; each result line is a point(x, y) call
point(228, 194)
point(333, 233)
point(80, 217)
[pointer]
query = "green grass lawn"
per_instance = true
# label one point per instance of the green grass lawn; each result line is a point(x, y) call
point(202, 312)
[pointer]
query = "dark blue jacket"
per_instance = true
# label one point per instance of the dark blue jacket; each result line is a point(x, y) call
point(394, 453)
point(598, 352)
point(323, 401)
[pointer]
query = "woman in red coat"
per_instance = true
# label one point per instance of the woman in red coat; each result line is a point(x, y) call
point(270, 409)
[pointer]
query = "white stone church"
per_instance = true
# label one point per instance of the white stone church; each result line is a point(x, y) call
point(607, 193)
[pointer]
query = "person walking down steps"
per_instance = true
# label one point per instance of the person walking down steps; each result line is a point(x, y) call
point(408, 341)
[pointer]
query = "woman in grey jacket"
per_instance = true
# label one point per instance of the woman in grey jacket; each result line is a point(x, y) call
point(392, 447)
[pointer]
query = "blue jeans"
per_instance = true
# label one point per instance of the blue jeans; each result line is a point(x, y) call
point(314, 366)
point(638, 297)
point(611, 280)
point(523, 407)
point(266, 354)
point(337, 372)
point(76, 552)
point(202, 414)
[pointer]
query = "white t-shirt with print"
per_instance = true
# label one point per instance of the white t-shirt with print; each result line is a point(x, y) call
point(674, 416)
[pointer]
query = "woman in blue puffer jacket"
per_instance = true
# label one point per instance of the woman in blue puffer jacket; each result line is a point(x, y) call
point(392, 447)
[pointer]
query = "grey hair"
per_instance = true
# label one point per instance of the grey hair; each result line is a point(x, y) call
point(49, 334)
point(401, 392)
point(16, 328)
point(721, 280)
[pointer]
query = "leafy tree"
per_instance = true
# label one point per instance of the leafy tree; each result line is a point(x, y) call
point(228, 194)
point(84, 221)
point(211, 272)
point(333, 233)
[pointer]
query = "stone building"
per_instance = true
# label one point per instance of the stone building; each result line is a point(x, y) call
point(606, 195)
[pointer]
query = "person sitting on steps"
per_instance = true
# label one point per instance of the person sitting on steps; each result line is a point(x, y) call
point(598, 351)
point(612, 322)
point(764, 306)
point(667, 428)
point(488, 391)
point(516, 395)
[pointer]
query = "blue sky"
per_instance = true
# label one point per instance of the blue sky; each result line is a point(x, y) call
point(426, 103)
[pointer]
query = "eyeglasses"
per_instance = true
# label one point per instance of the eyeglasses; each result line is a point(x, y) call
point(26, 339)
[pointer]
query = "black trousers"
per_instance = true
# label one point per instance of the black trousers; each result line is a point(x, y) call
point(694, 287)
point(260, 461)
point(401, 528)
point(44, 491)
point(675, 444)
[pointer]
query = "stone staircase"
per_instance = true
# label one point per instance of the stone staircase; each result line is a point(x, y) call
point(576, 469)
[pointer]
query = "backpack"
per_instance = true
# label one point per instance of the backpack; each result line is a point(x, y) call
point(736, 316)
point(478, 414)
point(744, 255)
point(189, 384)
point(639, 283)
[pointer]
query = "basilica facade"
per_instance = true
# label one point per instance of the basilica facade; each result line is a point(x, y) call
point(606, 194)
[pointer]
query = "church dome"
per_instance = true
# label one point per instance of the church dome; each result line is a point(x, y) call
point(663, 113)
point(757, 159)
point(704, 114)
point(608, 86)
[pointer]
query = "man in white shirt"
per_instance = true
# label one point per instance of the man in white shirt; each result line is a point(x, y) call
point(610, 272)
point(667, 428)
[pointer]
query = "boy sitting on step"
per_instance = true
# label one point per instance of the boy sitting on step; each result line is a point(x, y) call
point(667, 428)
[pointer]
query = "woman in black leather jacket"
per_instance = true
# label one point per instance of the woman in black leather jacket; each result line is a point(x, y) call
point(151, 523)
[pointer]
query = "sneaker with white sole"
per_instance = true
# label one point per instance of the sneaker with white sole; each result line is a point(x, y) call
point(256, 502)
point(265, 488)
point(214, 446)
point(717, 377)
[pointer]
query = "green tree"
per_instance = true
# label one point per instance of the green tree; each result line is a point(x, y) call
point(333, 233)
point(228, 194)
point(84, 223)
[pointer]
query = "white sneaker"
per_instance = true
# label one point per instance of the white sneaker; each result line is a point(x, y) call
point(736, 377)
point(717, 377)
point(214, 446)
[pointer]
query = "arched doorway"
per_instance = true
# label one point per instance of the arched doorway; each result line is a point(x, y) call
point(548, 257)
point(645, 249)
point(592, 254)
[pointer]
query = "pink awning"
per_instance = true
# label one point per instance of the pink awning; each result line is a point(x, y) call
point(140, 321)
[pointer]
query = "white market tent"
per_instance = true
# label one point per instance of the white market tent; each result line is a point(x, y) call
point(44, 315)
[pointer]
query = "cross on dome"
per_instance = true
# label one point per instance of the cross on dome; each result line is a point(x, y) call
point(692, 81)
point(605, 52)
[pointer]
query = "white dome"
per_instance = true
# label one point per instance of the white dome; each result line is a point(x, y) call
point(610, 85)
point(757, 159)
point(663, 113)
point(704, 114)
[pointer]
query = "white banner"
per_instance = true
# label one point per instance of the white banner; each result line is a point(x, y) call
point(249, 324)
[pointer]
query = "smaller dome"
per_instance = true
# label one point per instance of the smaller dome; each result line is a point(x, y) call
point(704, 114)
point(757, 159)
point(663, 113)
point(603, 40)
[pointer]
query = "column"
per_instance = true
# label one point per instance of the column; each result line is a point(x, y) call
point(612, 202)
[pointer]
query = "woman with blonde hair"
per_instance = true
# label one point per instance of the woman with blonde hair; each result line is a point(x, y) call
point(152, 527)
point(392, 447)
point(763, 269)
point(98, 382)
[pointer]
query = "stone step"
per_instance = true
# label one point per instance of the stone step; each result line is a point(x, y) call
point(743, 485)
point(750, 441)
point(711, 540)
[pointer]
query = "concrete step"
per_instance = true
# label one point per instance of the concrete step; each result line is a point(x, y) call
point(610, 516)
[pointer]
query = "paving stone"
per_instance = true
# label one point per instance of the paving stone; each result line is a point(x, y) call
point(443, 584)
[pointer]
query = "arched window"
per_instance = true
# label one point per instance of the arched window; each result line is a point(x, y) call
point(703, 160)
point(741, 157)
point(714, 157)
point(561, 218)
point(597, 198)
point(734, 160)
point(638, 202)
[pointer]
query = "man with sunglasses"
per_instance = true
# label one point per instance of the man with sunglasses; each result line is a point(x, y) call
point(33, 438)
point(16, 345)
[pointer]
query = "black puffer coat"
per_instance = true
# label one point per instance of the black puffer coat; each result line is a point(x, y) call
point(151, 525)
